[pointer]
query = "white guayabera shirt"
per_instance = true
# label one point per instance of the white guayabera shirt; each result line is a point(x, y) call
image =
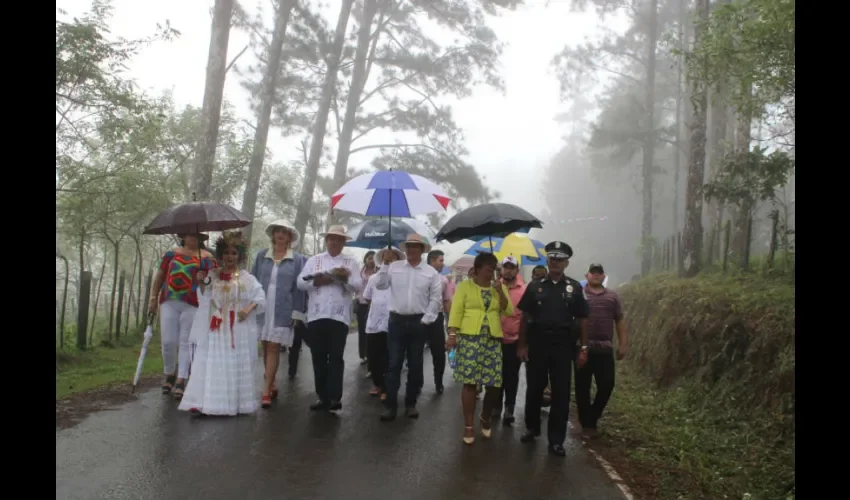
point(330, 301)
point(379, 311)
point(414, 290)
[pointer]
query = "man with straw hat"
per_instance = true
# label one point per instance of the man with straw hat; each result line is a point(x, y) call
point(415, 303)
point(330, 279)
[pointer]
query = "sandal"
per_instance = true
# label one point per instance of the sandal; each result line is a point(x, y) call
point(469, 440)
point(267, 401)
point(383, 396)
point(179, 387)
point(485, 431)
point(274, 392)
point(376, 391)
point(169, 384)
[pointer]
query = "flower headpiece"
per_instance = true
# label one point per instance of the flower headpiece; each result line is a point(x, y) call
point(228, 239)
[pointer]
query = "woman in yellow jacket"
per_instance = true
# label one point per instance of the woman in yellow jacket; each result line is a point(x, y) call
point(475, 330)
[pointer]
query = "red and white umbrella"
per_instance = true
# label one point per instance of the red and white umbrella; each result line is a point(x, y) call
point(390, 194)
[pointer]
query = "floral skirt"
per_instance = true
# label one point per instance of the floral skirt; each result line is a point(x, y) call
point(479, 360)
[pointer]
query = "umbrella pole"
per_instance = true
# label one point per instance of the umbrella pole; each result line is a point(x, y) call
point(390, 220)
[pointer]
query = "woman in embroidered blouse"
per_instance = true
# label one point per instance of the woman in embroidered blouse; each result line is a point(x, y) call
point(475, 329)
point(277, 269)
point(363, 305)
point(377, 326)
point(225, 336)
point(174, 295)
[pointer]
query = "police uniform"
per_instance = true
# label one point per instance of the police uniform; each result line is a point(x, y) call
point(553, 310)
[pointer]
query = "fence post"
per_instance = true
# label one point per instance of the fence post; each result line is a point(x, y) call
point(728, 238)
point(121, 279)
point(83, 315)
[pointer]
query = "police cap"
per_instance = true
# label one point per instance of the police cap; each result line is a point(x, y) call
point(558, 250)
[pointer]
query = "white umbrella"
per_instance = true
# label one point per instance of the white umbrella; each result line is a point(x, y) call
point(141, 363)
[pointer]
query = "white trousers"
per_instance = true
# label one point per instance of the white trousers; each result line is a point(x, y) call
point(175, 320)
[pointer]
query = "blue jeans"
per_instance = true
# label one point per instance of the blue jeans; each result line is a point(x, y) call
point(406, 337)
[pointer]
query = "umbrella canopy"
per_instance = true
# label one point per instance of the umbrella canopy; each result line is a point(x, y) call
point(375, 233)
point(463, 264)
point(390, 194)
point(489, 219)
point(527, 250)
point(197, 217)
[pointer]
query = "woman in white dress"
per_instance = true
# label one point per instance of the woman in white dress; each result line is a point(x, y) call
point(223, 381)
point(377, 325)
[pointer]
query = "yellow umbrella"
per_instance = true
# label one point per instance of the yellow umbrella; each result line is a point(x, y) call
point(517, 244)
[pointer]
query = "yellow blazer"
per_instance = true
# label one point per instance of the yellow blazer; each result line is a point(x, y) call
point(467, 314)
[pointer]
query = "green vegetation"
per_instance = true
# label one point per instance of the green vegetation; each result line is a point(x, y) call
point(79, 371)
point(704, 404)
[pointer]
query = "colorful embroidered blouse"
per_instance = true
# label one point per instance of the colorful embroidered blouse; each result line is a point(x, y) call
point(180, 270)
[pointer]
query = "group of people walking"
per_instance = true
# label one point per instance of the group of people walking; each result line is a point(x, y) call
point(213, 314)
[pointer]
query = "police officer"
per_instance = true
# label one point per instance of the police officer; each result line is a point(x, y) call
point(553, 306)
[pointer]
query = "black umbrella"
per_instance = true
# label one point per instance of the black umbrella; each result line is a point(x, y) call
point(197, 217)
point(489, 219)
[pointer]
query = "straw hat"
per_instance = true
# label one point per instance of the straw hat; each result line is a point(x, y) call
point(416, 239)
point(283, 223)
point(379, 257)
point(336, 231)
point(201, 236)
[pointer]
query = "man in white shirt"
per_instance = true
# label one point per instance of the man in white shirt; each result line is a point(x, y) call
point(437, 329)
point(415, 303)
point(330, 279)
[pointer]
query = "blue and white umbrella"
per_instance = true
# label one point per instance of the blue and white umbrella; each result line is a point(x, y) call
point(390, 194)
point(376, 233)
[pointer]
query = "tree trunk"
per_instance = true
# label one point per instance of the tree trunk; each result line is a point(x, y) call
point(97, 298)
point(139, 296)
point(677, 159)
point(213, 95)
point(692, 234)
point(264, 115)
point(649, 141)
point(305, 203)
point(116, 247)
point(740, 232)
point(358, 82)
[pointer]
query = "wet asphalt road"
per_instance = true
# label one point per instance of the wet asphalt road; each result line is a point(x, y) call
point(146, 449)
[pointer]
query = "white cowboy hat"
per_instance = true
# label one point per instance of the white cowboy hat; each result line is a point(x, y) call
point(379, 257)
point(416, 239)
point(285, 225)
point(336, 231)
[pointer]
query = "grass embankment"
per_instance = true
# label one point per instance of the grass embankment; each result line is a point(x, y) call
point(79, 371)
point(704, 403)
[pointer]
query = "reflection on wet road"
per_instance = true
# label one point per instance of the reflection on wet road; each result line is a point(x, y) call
point(146, 449)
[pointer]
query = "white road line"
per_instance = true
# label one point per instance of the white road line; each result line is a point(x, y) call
point(615, 478)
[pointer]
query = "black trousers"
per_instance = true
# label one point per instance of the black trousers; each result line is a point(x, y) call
point(437, 344)
point(550, 358)
point(362, 316)
point(406, 339)
point(510, 376)
point(295, 350)
point(378, 356)
point(327, 345)
point(600, 366)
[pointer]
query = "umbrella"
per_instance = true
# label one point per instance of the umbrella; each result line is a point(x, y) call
point(463, 264)
point(141, 363)
point(374, 233)
point(197, 217)
point(390, 194)
point(529, 251)
point(489, 219)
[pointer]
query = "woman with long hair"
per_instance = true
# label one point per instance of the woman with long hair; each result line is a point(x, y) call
point(277, 269)
point(225, 337)
point(475, 330)
point(366, 272)
point(174, 296)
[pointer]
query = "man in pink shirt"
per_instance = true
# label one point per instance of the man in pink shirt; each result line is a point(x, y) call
point(510, 328)
point(437, 329)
